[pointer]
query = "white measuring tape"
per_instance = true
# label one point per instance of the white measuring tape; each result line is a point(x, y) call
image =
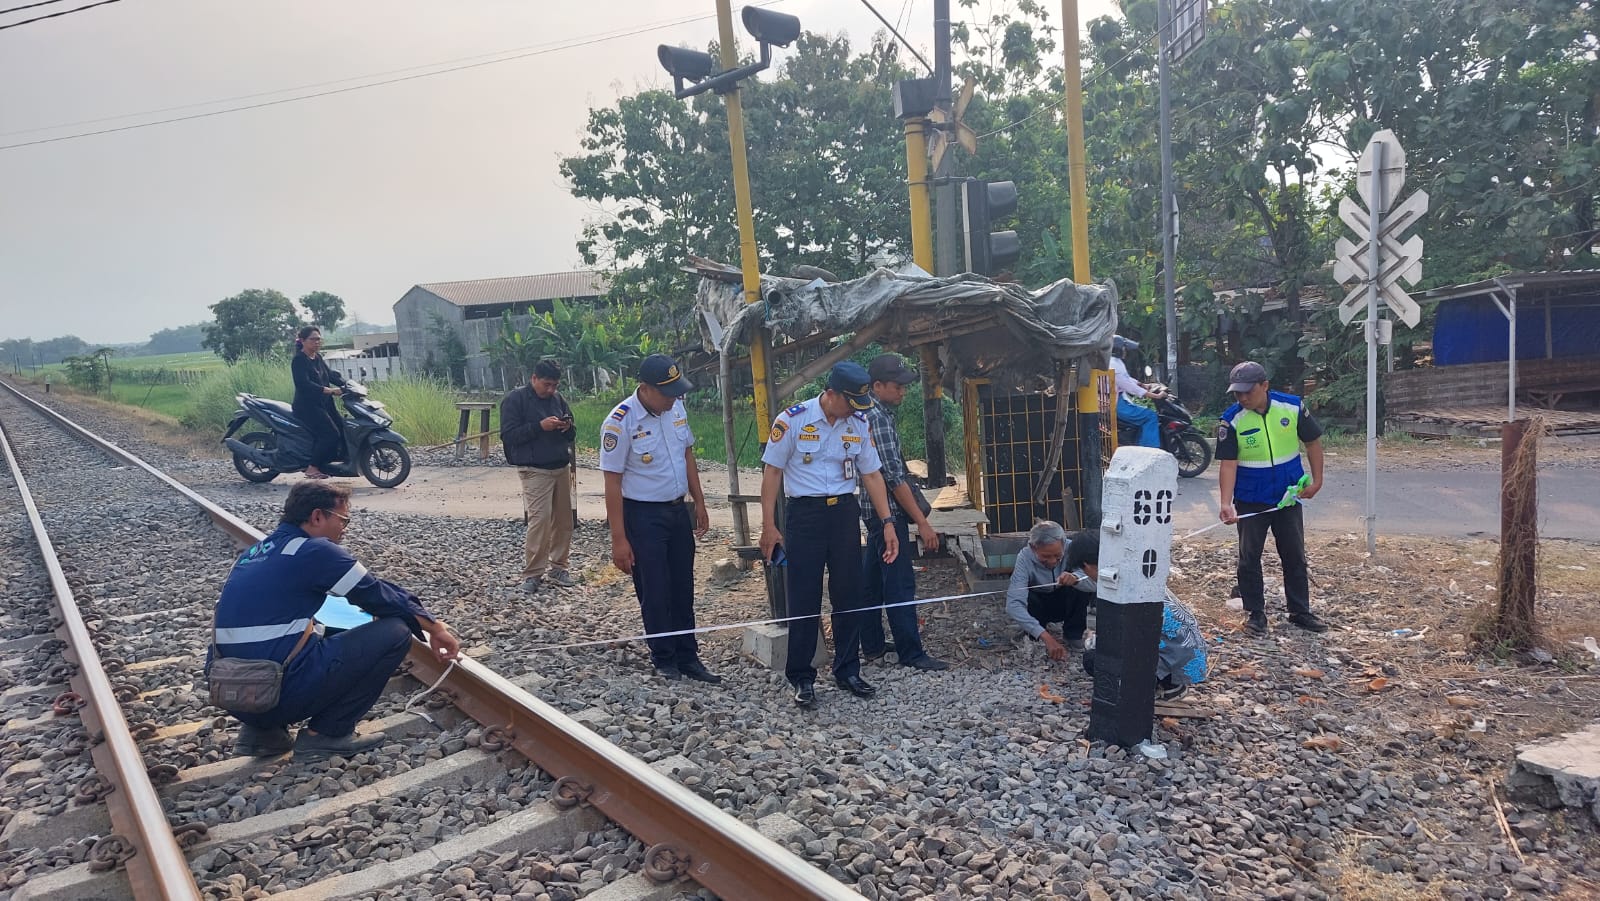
point(761, 622)
point(789, 619)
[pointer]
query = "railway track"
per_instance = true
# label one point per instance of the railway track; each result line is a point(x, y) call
point(117, 776)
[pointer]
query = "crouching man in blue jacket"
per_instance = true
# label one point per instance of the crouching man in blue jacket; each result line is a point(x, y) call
point(265, 613)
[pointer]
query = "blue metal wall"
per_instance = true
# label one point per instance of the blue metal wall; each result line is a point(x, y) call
point(1473, 330)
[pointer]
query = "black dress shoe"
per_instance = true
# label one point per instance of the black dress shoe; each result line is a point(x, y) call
point(1257, 623)
point(309, 745)
point(670, 673)
point(858, 686)
point(1309, 622)
point(253, 742)
point(697, 671)
point(930, 664)
point(805, 694)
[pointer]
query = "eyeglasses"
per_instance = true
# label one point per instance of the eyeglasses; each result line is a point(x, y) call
point(342, 517)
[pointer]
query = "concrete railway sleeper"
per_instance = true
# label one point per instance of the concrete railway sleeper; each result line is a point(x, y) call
point(496, 781)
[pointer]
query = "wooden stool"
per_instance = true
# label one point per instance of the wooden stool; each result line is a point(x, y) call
point(466, 407)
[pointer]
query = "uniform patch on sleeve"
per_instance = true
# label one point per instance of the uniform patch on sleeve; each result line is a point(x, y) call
point(620, 412)
point(778, 429)
point(609, 442)
point(608, 427)
point(796, 410)
point(1222, 431)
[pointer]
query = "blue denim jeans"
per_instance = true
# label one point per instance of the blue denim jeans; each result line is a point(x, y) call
point(889, 583)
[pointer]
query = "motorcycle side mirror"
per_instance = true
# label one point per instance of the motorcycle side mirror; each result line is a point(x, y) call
point(1148, 372)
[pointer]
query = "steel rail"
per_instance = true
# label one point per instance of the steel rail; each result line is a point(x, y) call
point(158, 868)
point(709, 845)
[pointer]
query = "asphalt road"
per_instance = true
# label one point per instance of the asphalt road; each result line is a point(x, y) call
point(1448, 502)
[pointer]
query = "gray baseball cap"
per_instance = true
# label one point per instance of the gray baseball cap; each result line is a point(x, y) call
point(1245, 376)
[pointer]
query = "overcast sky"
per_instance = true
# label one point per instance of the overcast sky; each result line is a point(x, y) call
point(362, 194)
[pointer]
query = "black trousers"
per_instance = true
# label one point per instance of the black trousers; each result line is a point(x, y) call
point(326, 428)
point(336, 680)
point(820, 535)
point(1289, 534)
point(662, 536)
point(1064, 605)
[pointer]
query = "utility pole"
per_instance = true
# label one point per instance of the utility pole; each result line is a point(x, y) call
point(1077, 166)
point(947, 226)
point(912, 101)
point(1169, 212)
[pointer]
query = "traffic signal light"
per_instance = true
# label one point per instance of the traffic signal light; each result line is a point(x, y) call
point(982, 202)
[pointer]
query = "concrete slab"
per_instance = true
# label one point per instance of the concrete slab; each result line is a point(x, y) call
point(768, 644)
point(25, 643)
point(540, 827)
point(1564, 771)
point(638, 887)
point(784, 829)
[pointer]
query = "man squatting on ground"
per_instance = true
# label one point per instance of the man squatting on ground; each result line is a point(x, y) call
point(1044, 590)
point(892, 582)
point(647, 456)
point(816, 451)
point(1258, 449)
point(536, 432)
point(265, 613)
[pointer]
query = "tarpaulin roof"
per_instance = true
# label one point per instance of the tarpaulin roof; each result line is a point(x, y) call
point(988, 328)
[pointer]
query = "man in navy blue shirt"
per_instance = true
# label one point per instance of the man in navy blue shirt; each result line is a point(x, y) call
point(265, 613)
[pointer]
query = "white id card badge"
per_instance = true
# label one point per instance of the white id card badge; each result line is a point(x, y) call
point(849, 467)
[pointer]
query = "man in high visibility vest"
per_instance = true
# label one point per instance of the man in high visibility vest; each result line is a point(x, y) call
point(1258, 449)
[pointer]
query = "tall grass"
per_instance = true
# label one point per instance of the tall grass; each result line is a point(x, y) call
point(423, 408)
point(212, 401)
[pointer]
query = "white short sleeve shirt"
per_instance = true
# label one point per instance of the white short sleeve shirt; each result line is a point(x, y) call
point(648, 450)
point(819, 459)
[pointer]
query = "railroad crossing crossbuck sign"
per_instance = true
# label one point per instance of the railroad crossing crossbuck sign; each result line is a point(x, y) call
point(1382, 172)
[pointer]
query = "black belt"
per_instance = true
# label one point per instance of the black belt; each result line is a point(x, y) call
point(829, 499)
point(675, 503)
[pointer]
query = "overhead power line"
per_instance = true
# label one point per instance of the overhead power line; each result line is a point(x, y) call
point(903, 42)
point(16, 9)
point(65, 12)
point(471, 62)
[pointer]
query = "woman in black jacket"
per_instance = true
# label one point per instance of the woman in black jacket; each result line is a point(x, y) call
point(315, 387)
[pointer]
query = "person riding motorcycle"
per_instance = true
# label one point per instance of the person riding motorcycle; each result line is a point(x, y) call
point(1128, 387)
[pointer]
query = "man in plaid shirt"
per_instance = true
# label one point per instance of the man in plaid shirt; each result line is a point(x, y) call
point(892, 583)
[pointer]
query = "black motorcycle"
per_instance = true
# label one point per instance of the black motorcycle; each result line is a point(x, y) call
point(1179, 437)
point(372, 449)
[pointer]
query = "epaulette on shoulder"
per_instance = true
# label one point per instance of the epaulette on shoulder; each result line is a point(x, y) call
point(620, 412)
point(796, 410)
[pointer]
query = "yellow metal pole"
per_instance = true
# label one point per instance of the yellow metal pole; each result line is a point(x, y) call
point(1077, 166)
point(922, 255)
point(749, 262)
point(917, 181)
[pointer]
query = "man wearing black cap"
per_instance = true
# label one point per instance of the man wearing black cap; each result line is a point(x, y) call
point(817, 450)
point(647, 455)
point(893, 582)
point(1258, 451)
point(536, 434)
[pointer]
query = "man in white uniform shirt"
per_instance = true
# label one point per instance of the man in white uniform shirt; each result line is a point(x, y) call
point(647, 456)
point(816, 451)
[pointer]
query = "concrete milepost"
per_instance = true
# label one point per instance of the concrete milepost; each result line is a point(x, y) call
point(1377, 264)
point(1135, 556)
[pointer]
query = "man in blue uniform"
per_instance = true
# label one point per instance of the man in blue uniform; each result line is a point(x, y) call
point(1258, 447)
point(265, 613)
point(647, 455)
point(896, 582)
point(816, 451)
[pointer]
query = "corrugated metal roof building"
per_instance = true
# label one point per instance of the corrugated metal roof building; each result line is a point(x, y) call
point(473, 309)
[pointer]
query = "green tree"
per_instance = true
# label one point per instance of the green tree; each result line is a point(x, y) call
point(452, 359)
point(327, 310)
point(826, 167)
point(179, 340)
point(254, 323)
